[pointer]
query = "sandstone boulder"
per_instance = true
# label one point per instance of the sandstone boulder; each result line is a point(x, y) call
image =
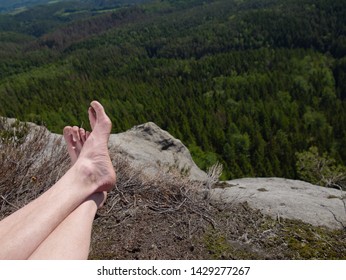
point(291, 199)
point(148, 146)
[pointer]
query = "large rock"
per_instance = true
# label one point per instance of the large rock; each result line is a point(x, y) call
point(147, 146)
point(151, 148)
point(284, 198)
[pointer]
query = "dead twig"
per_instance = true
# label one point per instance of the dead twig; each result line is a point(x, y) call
point(9, 203)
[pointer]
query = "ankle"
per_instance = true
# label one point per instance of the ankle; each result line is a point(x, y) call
point(97, 177)
point(85, 174)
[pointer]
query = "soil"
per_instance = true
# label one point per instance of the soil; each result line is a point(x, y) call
point(236, 232)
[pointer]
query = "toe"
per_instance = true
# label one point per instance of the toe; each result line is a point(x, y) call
point(75, 134)
point(92, 117)
point(82, 134)
point(100, 118)
point(67, 131)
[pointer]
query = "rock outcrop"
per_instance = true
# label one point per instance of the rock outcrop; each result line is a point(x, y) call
point(291, 199)
point(150, 147)
point(146, 146)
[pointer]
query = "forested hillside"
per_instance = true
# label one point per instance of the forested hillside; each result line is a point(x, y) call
point(18, 6)
point(245, 82)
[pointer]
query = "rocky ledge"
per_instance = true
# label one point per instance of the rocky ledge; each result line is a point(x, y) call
point(151, 148)
point(287, 199)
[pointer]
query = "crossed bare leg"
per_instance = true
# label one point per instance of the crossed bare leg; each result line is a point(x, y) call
point(75, 137)
point(71, 239)
point(60, 220)
point(90, 150)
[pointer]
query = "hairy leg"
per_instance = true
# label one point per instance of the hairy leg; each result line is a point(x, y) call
point(22, 232)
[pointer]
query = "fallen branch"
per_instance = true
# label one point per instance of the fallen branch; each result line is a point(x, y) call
point(9, 203)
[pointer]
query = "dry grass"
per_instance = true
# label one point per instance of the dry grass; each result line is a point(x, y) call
point(29, 166)
point(153, 216)
point(33, 162)
point(159, 216)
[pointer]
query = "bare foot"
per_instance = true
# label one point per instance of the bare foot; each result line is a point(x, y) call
point(75, 138)
point(89, 151)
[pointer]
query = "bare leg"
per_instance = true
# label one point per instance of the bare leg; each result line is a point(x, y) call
point(22, 232)
point(71, 239)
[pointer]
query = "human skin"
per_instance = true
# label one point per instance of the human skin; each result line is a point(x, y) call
point(71, 239)
point(92, 172)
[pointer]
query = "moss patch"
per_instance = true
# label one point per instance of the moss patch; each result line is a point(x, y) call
point(219, 248)
point(308, 242)
point(298, 240)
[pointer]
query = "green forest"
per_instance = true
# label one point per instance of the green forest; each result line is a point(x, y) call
point(248, 83)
